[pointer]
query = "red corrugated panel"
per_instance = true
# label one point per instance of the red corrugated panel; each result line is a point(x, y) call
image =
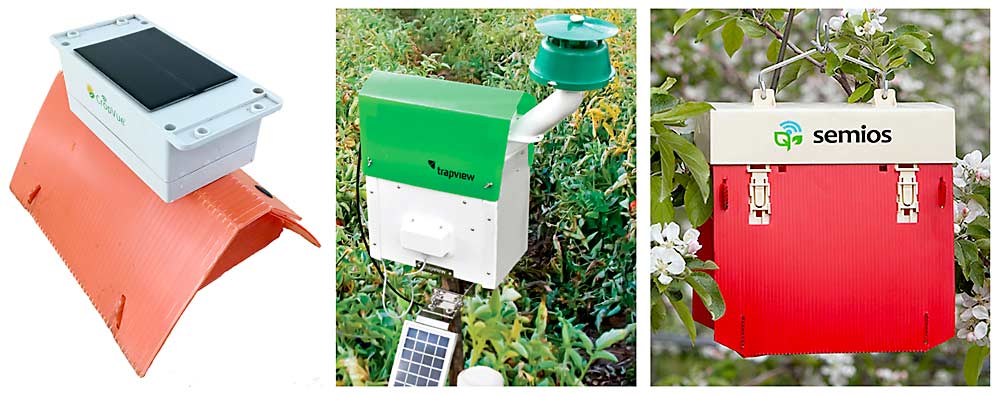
point(140, 260)
point(833, 271)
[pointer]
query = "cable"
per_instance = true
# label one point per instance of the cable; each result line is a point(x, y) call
point(364, 237)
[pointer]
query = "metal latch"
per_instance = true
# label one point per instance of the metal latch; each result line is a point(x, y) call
point(907, 205)
point(760, 195)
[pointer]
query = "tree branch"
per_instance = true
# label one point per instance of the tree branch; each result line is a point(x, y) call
point(840, 78)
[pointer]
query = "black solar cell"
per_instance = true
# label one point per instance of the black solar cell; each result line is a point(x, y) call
point(154, 68)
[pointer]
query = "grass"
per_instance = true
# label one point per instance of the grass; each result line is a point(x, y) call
point(565, 315)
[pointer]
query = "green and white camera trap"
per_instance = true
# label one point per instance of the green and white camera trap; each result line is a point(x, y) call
point(176, 118)
point(447, 163)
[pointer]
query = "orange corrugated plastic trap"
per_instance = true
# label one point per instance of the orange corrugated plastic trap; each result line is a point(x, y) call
point(139, 259)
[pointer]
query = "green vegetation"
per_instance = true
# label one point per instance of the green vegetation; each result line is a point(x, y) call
point(564, 315)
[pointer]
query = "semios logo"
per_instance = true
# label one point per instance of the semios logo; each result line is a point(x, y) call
point(862, 135)
point(789, 135)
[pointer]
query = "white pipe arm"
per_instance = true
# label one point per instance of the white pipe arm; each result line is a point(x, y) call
point(560, 104)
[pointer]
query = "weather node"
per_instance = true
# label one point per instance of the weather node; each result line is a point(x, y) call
point(132, 171)
point(876, 177)
point(448, 163)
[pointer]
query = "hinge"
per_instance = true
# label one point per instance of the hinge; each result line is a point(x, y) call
point(760, 195)
point(907, 190)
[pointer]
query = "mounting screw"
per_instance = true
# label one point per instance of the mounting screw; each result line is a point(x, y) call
point(488, 185)
point(369, 161)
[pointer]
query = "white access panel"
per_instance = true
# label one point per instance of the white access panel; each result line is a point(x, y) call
point(174, 149)
point(826, 133)
point(479, 240)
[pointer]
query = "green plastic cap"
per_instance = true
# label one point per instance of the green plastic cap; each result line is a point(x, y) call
point(573, 55)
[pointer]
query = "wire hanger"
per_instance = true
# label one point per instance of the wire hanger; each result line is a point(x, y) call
point(821, 45)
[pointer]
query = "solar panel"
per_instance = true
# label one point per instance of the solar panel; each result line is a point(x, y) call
point(422, 357)
point(154, 68)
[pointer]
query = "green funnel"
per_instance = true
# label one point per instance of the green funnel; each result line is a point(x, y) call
point(573, 55)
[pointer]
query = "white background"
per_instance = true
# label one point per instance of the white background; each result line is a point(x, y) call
point(264, 327)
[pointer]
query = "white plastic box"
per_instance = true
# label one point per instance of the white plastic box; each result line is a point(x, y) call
point(175, 148)
point(478, 240)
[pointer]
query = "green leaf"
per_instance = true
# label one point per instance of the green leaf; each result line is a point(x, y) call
point(698, 210)
point(772, 50)
point(495, 302)
point(898, 62)
point(684, 314)
point(711, 27)
point(692, 157)
point(661, 102)
point(567, 337)
point(698, 264)
point(974, 363)
point(681, 113)
point(541, 320)
point(661, 211)
point(685, 17)
point(789, 74)
point(984, 246)
point(732, 37)
point(668, 166)
point(658, 316)
point(603, 355)
point(859, 92)
point(585, 340)
point(664, 88)
point(751, 28)
point(609, 338)
point(926, 56)
point(483, 312)
point(910, 42)
point(576, 359)
point(967, 256)
point(979, 228)
point(520, 350)
point(832, 63)
point(911, 29)
point(708, 290)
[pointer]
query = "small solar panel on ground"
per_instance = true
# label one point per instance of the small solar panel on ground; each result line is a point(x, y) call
point(422, 357)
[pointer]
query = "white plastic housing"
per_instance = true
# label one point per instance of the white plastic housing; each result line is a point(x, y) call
point(479, 240)
point(175, 149)
point(744, 133)
point(531, 127)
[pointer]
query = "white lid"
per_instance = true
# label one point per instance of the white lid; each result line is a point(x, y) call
point(480, 376)
point(826, 133)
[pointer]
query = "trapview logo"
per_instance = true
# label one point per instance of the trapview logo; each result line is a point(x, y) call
point(451, 173)
point(103, 102)
point(789, 135)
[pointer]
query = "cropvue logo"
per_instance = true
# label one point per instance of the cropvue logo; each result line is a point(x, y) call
point(789, 135)
point(450, 173)
point(103, 102)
